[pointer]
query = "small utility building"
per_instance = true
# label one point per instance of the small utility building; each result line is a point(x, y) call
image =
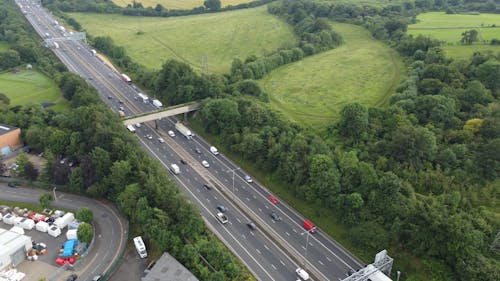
point(168, 268)
point(13, 248)
point(10, 139)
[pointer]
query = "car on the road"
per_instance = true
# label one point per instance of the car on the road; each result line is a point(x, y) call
point(273, 199)
point(309, 226)
point(97, 278)
point(161, 140)
point(214, 150)
point(205, 163)
point(12, 184)
point(120, 102)
point(302, 274)
point(72, 277)
point(138, 125)
point(183, 161)
point(275, 216)
point(171, 133)
point(221, 208)
point(251, 225)
point(207, 187)
point(150, 137)
point(121, 108)
point(248, 179)
point(197, 150)
point(110, 97)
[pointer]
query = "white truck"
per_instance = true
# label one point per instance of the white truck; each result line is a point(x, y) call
point(183, 130)
point(175, 169)
point(157, 103)
point(214, 150)
point(222, 218)
point(143, 97)
point(56, 45)
point(63, 221)
point(94, 52)
point(131, 128)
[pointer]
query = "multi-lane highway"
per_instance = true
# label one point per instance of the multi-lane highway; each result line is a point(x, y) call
point(277, 247)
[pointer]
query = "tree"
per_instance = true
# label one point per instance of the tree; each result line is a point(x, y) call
point(22, 161)
point(469, 37)
point(46, 200)
point(9, 59)
point(84, 215)
point(212, 5)
point(85, 233)
point(353, 120)
point(30, 171)
point(4, 99)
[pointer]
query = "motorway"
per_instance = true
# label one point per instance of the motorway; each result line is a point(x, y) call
point(276, 248)
point(110, 227)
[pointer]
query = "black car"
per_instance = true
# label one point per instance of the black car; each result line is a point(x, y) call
point(207, 186)
point(72, 277)
point(221, 208)
point(183, 162)
point(251, 225)
point(12, 184)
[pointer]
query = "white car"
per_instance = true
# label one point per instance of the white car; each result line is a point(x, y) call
point(248, 179)
point(138, 125)
point(205, 163)
point(161, 140)
point(171, 133)
point(214, 150)
point(302, 274)
point(150, 137)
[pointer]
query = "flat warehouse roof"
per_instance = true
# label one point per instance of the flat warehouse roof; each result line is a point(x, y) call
point(4, 129)
point(11, 241)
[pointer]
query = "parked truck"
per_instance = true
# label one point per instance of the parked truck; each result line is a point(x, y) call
point(63, 221)
point(157, 103)
point(183, 130)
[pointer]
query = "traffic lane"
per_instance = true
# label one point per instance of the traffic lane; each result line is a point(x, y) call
point(198, 197)
point(108, 227)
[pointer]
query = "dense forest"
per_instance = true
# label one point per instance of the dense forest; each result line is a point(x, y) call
point(420, 175)
point(110, 163)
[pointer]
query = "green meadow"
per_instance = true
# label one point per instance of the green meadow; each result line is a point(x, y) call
point(177, 4)
point(216, 38)
point(31, 87)
point(449, 28)
point(313, 91)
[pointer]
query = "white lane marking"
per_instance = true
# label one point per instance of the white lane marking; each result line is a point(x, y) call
point(329, 259)
point(258, 251)
point(294, 230)
point(282, 262)
point(287, 233)
point(320, 262)
point(248, 199)
point(265, 246)
point(260, 209)
point(238, 220)
point(272, 265)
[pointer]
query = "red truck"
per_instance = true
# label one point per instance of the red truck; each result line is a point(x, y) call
point(309, 226)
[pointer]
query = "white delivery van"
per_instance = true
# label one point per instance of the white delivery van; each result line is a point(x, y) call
point(175, 169)
point(214, 150)
point(140, 247)
point(28, 224)
point(42, 226)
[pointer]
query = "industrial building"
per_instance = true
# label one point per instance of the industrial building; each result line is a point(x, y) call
point(10, 139)
point(13, 248)
point(168, 268)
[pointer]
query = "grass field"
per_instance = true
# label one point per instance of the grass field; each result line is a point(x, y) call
point(449, 28)
point(219, 36)
point(177, 4)
point(31, 87)
point(312, 91)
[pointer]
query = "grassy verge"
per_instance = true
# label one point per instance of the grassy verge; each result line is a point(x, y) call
point(449, 28)
point(312, 91)
point(31, 87)
point(215, 38)
point(4, 46)
point(178, 4)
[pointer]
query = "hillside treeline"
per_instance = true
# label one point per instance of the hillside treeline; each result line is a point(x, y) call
point(108, 161)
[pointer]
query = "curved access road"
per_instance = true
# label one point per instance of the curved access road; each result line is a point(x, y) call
point(111, 227)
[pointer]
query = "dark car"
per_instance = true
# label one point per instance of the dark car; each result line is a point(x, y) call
point(183, 162)
point(221, 208)
point(12, 184)
point(208, 187)
point(197, 150)
point(251, 225)
point(275, 216)
point(72, 277)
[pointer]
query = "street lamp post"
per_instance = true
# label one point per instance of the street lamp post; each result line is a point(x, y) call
point(307, 242)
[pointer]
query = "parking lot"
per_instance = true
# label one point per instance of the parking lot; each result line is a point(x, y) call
point(45, 266)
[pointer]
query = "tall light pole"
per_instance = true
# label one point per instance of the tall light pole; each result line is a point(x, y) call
point(233, 171)
point(54, 191)
point(307, 242)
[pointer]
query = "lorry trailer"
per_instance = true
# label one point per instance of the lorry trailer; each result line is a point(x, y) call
point(183, 130)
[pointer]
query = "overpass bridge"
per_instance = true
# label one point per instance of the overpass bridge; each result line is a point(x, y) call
point(164, 112)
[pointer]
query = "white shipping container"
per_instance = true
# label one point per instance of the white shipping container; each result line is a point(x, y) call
point(28, 224)
point(54, 231)
point(19, 221)
point(63, 221)
point(9, 219)
point(71, 234)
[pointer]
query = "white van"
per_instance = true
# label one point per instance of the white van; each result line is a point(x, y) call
point(214, 150)
point(302, 274)
point(140, 247)
point(175, 169)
